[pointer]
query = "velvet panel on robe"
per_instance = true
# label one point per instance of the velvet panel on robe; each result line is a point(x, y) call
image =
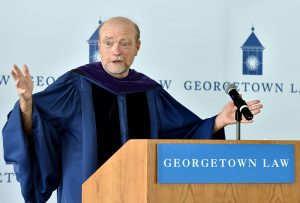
point(62, 153)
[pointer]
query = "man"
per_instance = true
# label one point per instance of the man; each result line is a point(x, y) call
point(57, 138)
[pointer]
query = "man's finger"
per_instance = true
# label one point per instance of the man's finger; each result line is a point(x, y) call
point(256, 111)
point(254, 107)
point(15, 66)
point(26, 72)
point(14, 74)
point(18, 71)
point(249, 103)
point(246, 121)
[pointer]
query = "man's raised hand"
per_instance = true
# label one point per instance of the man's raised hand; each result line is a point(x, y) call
point(24, 87)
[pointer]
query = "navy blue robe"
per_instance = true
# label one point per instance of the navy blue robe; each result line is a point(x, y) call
point(62, 151)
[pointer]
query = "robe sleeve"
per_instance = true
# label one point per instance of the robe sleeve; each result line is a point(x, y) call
point(37, 157)
point(177, 122)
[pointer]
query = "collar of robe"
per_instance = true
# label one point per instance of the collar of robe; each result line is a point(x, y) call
point(134, 82)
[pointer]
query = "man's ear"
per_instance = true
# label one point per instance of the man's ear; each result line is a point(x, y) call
point(138, 46)
point(99, 44)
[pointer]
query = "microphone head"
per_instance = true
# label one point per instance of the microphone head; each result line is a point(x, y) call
point(229, 87)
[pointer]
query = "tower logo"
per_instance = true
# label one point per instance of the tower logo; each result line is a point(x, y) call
point(94, 55)
point(252, 55)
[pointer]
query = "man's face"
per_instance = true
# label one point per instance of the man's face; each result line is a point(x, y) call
point(118, 47)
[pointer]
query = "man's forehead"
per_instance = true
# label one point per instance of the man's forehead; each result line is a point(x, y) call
point(117, 27)
point(118, 21)
point(119, 33)
point(117, 37)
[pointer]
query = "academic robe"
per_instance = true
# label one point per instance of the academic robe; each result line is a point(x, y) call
point(61, 153)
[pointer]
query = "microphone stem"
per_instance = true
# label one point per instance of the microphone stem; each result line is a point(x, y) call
point(238, 118)
point(238, 130)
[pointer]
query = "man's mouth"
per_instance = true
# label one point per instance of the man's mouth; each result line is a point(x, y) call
point(117, 61)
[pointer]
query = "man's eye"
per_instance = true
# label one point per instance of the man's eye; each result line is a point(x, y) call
point(125, 44)
point(108, 43)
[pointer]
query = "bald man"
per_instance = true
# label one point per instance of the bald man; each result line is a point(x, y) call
point(57, 138)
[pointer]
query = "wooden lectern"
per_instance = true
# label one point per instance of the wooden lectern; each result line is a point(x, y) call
point(130, 176)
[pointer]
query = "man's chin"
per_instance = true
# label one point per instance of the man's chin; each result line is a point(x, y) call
point(117, 71)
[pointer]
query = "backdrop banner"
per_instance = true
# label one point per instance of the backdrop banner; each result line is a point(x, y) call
point(193, 50)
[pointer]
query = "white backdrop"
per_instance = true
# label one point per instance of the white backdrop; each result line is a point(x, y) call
point(191, 40)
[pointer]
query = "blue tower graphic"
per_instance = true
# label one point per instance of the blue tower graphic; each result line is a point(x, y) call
point(94, 55)
point(252, 55)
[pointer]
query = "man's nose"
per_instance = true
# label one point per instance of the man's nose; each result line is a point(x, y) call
point(116, 49)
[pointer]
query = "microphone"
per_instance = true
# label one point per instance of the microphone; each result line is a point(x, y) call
point(238, 101)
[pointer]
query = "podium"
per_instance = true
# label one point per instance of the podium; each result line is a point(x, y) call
point(130, 175)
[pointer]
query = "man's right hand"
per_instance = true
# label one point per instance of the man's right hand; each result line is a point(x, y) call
point(24, 87)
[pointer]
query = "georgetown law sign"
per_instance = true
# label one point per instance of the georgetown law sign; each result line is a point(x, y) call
point(225, 163)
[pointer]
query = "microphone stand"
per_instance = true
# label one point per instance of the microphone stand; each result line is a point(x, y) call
point(238, 118)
